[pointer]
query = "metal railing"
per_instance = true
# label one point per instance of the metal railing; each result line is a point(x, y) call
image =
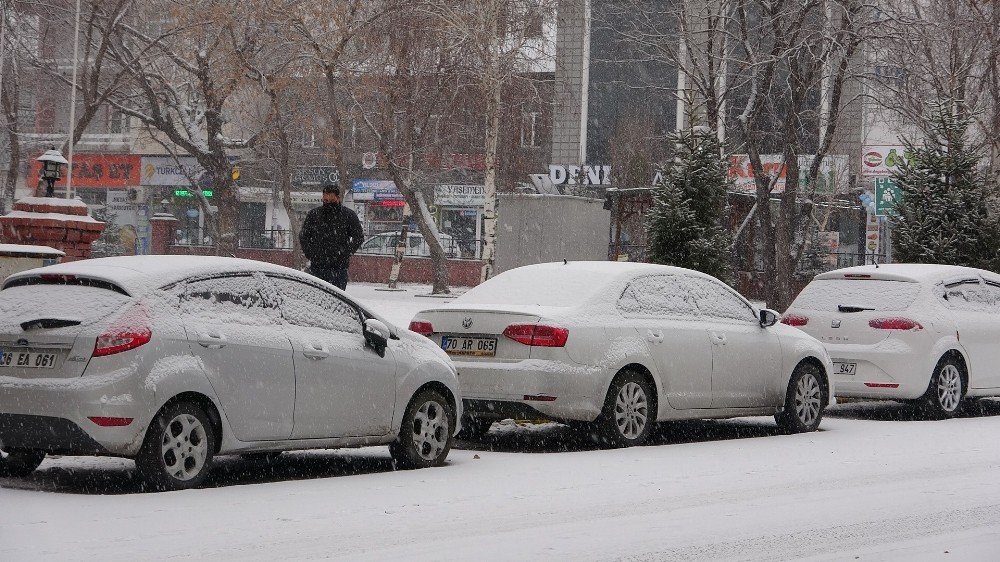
point(251, 239)
point(809, 263)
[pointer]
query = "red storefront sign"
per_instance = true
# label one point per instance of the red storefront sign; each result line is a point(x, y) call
point(96, 171)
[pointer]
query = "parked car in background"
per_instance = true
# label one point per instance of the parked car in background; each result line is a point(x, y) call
point(172, 360)
point(619, 346)
point(928, 333)
point(385, 244)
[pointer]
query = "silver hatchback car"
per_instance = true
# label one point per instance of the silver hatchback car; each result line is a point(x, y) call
point(172, 360)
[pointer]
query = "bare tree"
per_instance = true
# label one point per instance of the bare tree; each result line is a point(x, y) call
point(501, 39)
point(190, 82)
point(769, 77)
point(940, 51)
point(411, 88)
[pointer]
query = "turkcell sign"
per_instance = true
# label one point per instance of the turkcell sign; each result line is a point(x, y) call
point(580, 175)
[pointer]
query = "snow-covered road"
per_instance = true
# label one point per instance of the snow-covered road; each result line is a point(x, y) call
point(874, 484)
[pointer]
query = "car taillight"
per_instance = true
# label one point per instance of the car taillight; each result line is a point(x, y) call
point(537, 335)
point(794, 320)
point(105, 421)
point(421, 327)
point(895, 324)
point(129, 331)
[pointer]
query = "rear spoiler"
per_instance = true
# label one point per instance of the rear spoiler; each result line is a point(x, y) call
point(63, 279)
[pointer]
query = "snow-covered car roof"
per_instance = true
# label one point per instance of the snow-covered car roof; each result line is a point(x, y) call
point(140, 274)
point(909, 272)
point(572, 284)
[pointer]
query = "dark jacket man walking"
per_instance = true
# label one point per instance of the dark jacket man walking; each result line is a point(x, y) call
point(330, 235)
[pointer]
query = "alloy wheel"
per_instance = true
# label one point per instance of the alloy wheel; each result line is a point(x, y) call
point(631, 410)
point(184, 448)
point(430, 430)
point(808, 399)
point(949, 388)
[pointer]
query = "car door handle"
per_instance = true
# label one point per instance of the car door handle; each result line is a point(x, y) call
point(315, 352)
point(213, 340)
point(718, 339)
point(654, 337)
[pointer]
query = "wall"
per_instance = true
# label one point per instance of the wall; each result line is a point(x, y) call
point(545, 228)
point(364, 269)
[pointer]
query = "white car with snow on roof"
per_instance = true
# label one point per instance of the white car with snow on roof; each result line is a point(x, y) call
point(172, 360)
point(622, 346)
point(927, 333)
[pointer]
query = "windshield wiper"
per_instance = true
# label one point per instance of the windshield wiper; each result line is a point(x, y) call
point(849, 308)
point(49, 323)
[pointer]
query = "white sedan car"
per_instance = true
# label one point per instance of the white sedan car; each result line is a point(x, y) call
point(171, 360)
point(929, 333)
point(621, 346)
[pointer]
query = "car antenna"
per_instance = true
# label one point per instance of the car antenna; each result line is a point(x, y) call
point(565, 262)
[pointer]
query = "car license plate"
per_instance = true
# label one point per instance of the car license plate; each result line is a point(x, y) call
point(27, 360)
point(845, 368)
point(461, 345)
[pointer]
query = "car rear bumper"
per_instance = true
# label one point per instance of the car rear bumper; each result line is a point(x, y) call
point(554, 389)
point(54, 414)
point(891, 369)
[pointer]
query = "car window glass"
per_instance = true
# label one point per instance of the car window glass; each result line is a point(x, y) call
point(874, 294)
point(657, 296)
point(240, 299)
point(717, 301)
point(306, 305)
point(970, 296)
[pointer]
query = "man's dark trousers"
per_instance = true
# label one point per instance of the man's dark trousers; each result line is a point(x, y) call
point(336, 277)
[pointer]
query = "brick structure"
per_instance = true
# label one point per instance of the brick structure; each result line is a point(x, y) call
point(64, 224)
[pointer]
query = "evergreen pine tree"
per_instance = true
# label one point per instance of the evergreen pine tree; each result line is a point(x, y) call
point(686, 225)
point(944, 215)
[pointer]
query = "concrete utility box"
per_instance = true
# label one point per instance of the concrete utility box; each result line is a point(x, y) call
point(539, 228)
point(15, 258)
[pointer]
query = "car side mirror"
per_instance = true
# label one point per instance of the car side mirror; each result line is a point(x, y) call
point(377, 335)
point(768, 317)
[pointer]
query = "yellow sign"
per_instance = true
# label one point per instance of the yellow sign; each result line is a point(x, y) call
point(236, 173)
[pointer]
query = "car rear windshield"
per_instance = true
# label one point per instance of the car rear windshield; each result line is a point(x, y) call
point(77, 303)
point(857, 294)
point(527, 287)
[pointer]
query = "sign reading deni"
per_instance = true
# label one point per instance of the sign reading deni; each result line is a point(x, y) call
point(580, 175)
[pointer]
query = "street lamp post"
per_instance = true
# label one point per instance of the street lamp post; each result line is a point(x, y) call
point(51, 171)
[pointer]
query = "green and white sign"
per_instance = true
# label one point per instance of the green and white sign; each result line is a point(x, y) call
point(887, 194)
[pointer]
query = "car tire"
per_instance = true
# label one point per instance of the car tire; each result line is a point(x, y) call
point(18, 463)
point(474, 429)
point(425, 435)
point(178, 450)
point(945, 392)
point(629, 412)
point(805, 400)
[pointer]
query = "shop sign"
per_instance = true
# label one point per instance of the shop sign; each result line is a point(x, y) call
point(314, 175)
point(100, 171)
point(375, 190)
point(887, 194)
point(459, 195)
point(165, 170)
point(882, 160)
point(832, 172)
point(580, 175)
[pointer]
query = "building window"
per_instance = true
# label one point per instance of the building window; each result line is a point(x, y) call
point(529, 129)
point(308, 137)
point(117, 122)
